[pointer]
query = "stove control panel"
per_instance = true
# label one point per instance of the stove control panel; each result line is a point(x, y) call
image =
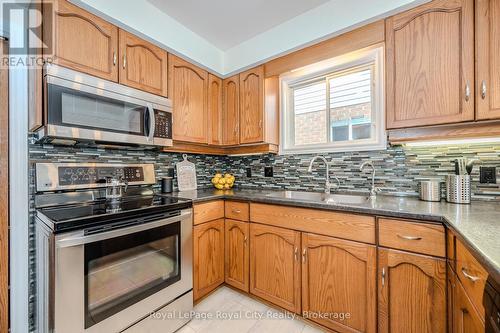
point(92, 175)
point(62, 176)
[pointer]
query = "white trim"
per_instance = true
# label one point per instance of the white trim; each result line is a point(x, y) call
point(375, 55)
point(19, 195)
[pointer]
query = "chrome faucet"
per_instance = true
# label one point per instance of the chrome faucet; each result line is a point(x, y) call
point(373, 191)
point(328, 185)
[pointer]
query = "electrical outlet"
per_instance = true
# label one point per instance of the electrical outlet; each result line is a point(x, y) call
point(268, 171)
point(488, 175)
point(249, 172)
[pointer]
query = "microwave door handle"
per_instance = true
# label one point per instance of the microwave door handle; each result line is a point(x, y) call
point(152, 122)
point(81, 239)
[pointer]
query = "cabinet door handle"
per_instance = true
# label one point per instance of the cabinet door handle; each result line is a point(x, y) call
point(483, 89)
point(383, 276)
point(124, 60)
point(467, 92)
point(470, 277)
point(114, 58)
point(296, 254)
point(409, 237)
point(245, 240)
point(304, 255)
point(260, 124)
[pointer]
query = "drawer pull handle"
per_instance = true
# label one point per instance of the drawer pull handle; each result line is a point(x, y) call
point(470, 277)
point(410, 237)
point(236, 211)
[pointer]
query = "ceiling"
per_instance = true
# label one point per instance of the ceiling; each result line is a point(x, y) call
point(227, 23)
point(227, 36)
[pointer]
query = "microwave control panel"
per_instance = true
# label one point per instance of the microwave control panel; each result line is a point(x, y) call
point(163, 128)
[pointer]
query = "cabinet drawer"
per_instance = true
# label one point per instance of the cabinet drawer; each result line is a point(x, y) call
point(208, 211)
point(472, 275)
point(237, 210)
point(329, 223)
point(412, 236)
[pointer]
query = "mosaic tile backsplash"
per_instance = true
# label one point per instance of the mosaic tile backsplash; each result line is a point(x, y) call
point(398, 170)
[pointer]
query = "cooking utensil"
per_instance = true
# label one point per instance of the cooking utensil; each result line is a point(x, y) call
point(470, 165)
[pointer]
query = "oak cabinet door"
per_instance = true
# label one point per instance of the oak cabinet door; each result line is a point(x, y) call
point(188, 90)
point(488, 59)
point(412, 293)
point(275, 265)
point(81, 41)
point(215, 124)
point(231, 96)
point(237, 254)
point(465, 317)
point(208, 257)
point(430, 64)
point(252, 105)
point(339, 277)
point(143, 65)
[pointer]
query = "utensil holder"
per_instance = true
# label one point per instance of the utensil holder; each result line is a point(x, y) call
point(430, 190)
point(458, 189)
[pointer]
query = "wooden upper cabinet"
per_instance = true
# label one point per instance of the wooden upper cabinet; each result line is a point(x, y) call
point(412, 292)
point(430, 64)
point(339, 276)
point(208, 258)
point(81, 41)
point(143, 65)
point(214, 110)
point(487, 59)
point(231, 97)
point(237, 254)
point(252, 105)
point(188, 90)
point(275, 265)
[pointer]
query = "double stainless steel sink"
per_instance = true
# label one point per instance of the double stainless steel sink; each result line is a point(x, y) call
point(335, 198)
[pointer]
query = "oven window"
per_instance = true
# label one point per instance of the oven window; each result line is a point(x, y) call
point(124, 270)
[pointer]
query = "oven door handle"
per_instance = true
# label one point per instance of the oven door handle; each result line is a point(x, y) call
point(76, 240)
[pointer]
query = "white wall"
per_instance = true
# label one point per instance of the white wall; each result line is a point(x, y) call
point(144, 19)
point(322, 22)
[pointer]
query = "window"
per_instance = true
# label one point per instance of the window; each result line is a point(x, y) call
point(335, 105)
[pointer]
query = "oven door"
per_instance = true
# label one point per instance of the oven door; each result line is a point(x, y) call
point(87, 113)
point(107, 281)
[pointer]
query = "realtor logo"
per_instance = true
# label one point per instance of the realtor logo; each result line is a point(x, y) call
point(23, 22)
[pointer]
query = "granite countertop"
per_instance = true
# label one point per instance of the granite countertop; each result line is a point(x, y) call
point(478, 224)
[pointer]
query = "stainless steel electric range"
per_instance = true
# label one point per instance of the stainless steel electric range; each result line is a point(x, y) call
point(110, 253)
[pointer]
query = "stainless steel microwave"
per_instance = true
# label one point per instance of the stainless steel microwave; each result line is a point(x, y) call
point(82, 108)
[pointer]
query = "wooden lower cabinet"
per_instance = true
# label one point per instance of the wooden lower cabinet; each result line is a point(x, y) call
point(339, 283)
point(275, 265)
point(412, 293)
point(208, 257)
point(465, 317)
point(237, 254)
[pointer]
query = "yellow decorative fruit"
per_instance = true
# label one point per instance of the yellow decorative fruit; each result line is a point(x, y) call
point(222, 181)
point(218, 175)
point(227, 186)
point(230, 181)
point(215, 180)
point(227, 175)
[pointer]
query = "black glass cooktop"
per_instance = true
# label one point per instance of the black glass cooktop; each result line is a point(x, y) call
point(69, 217)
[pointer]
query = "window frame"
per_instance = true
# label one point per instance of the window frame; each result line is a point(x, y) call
point(324, 70)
